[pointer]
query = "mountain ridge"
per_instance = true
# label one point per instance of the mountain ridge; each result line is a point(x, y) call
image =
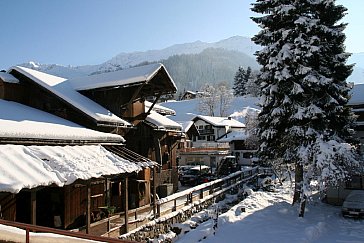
point(239, 44)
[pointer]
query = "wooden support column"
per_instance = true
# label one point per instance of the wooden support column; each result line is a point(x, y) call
point(107, 192)
point(154, 191)
point(126, 204)
point(33, 207)
point(88, 208)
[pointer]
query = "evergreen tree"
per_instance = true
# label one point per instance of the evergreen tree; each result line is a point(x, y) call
point(305, 119)
point(238, 82)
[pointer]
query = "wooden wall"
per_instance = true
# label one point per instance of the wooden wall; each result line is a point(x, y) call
point(75, 201)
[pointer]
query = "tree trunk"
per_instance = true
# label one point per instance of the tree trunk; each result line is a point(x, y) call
point(302, 207)
point(298, 190)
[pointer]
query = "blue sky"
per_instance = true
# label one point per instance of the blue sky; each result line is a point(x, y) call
point(80, 32)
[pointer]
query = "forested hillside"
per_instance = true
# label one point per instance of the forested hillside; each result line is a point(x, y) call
point(213, 65)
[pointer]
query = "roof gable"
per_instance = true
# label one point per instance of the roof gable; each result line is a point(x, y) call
point(64, 90)
point(142, 75)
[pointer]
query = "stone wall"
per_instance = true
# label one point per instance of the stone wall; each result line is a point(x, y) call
point(164, 225)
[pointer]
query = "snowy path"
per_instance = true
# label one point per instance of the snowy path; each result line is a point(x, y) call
point(269, 217)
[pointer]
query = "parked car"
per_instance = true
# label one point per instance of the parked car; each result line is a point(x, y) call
point(183, 169)
point(353, 205)
point(227, 165)
point(196, 175)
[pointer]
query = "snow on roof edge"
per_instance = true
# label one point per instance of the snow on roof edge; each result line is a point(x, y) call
point(81, 107)
point(8, 78)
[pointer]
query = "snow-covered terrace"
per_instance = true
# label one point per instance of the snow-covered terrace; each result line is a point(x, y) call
point(20, 122)
point(63, 89)
point(32, 166)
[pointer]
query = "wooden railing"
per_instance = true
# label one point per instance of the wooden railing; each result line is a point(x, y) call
point(35, 228)
point(164, 206)
point(204, 191)
point(187, 197)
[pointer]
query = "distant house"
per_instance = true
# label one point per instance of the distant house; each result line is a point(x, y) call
point(240, 147)
point(56, 173)
point(212, 128)
point(202, 145)
point(189, 95)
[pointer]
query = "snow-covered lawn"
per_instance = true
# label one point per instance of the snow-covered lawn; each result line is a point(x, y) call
point(269, 217)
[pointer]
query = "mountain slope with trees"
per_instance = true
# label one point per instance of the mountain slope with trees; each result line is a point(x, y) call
point(213, 65)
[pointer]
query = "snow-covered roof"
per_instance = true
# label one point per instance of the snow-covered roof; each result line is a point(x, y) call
point(186, 110)
point(220, 121)
point(357, 97)
point(20, 121)
point(186, 125)
point(8, 78)
point(63, 89)
point(159, 108)
point(130, 76)
point(233, 136)
point(32, 166)
point(162, 122)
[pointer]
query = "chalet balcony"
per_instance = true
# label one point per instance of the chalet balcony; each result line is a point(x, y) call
point(206, 132)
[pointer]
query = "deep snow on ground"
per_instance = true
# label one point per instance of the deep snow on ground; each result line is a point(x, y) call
point(269, 217)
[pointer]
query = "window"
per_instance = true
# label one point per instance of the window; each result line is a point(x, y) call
point(208, 127)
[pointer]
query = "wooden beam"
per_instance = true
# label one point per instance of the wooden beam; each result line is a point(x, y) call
point(154, 102)
point(33, 207)
point(154, 191)
point(88, 209)
point(107, 192)
point(158, 152)
point(126, 204)
point(131, 101)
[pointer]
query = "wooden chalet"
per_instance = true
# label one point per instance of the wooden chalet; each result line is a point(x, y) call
point(109, 102)
point(158, 137)
point(125, 94)
point(189, 95)
point(56, 173)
